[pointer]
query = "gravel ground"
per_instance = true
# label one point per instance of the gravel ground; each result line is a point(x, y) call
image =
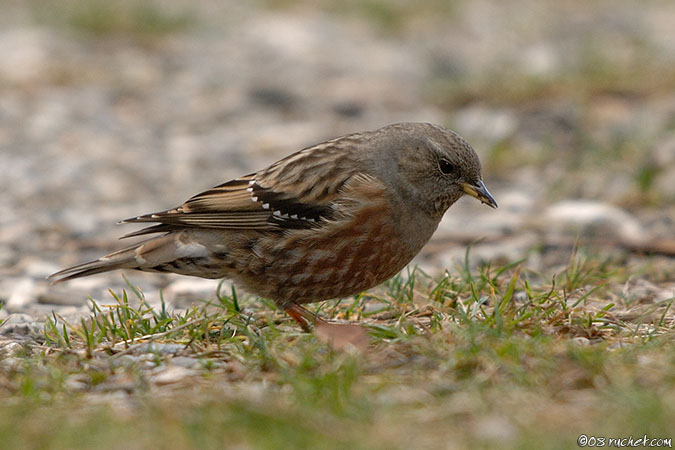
point(100, 126)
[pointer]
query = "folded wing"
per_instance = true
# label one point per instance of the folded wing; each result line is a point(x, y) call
point(298, 191)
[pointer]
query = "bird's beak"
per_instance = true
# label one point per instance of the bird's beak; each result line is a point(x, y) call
point(479, 191)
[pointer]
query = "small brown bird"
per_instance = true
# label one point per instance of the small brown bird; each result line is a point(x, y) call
point(328, 221)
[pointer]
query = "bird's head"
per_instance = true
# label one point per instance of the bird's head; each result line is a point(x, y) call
point(440, 166)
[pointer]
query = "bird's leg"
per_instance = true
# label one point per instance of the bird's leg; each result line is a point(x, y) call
point(337, 335)
point(304, 318)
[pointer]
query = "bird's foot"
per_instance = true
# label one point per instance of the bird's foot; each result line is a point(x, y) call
point(340, 336)
point(304, 318)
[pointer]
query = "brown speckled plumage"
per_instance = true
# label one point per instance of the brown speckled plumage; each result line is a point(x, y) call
point(328, 221)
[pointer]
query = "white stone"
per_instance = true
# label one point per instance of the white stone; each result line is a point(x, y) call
point(592, 217)
point(25, 55)
point(22, 294)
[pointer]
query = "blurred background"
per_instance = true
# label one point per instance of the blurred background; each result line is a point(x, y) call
point(113, 109)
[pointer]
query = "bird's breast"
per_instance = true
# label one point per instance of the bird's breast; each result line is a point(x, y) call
point(344, 257)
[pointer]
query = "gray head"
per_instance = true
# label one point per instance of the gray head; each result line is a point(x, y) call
point(435, 165)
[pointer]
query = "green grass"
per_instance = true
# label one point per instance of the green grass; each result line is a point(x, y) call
point(142, 20)
point(498, 357)
point(389, 17)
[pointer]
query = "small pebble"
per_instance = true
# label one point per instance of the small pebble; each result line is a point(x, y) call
point(172, 374)
point(581, 341)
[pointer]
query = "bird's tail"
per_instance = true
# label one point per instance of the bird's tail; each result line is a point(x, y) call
point(145, 255)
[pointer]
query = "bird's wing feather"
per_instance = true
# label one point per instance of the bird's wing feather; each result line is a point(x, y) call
point(298, 191)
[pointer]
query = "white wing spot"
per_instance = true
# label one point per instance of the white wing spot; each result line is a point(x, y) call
point(277, 213)
point(190, 250)
point(266, 206)
point(294, 216)
point(250, 189)
point(251, 182)
point(254, 199)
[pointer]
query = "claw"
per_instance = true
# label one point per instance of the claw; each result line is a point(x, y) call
point(304, 318)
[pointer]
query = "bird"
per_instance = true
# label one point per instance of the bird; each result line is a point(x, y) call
point(329, 221)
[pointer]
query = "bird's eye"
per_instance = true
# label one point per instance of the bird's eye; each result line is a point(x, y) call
point(446, 166)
